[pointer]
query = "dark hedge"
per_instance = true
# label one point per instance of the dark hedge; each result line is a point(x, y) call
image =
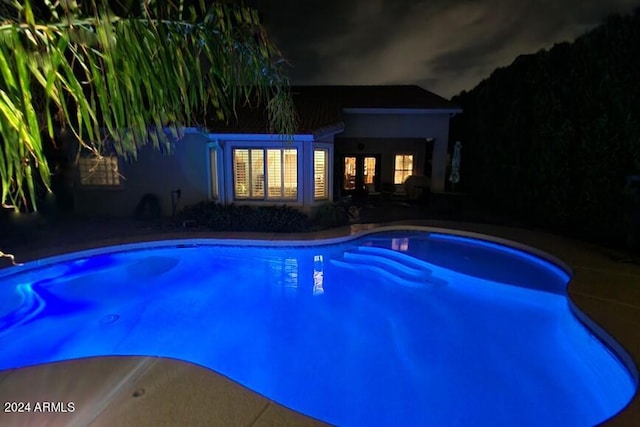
point(217, 217)
point(553, 137)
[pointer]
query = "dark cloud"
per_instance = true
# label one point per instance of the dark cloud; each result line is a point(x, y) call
point(443, 45)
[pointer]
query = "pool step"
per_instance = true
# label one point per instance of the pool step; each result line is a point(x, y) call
point(395, 266)
point(398, 256)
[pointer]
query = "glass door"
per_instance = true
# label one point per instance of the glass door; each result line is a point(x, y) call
point(369, 174)
point(360, 173)
point(350, 173)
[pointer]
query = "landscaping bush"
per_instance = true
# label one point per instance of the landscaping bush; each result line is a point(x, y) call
point(552, 138)
point(331, 214)
point(217, 217)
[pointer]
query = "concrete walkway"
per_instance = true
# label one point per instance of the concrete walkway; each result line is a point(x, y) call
point(145, 391)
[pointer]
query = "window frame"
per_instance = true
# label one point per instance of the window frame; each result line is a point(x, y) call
point(103, 176)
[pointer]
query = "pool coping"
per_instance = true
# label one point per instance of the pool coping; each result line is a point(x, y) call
point(609, 311)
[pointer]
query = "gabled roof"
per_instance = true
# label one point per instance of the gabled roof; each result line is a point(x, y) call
point(322, 107)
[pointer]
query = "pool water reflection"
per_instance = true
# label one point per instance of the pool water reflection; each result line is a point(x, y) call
point(402, 328)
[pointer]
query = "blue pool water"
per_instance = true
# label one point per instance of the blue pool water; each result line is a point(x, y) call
point(402, 328)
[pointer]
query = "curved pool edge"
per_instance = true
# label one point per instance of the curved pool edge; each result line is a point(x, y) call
point(602, 294)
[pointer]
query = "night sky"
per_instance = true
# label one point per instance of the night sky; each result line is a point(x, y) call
point(442, 45)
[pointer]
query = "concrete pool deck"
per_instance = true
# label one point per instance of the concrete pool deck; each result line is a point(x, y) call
point(149, 391)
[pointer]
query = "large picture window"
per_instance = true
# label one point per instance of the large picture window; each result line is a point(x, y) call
point(320, 174)
point(257, 168)
point(403, 168)
point(99, 171)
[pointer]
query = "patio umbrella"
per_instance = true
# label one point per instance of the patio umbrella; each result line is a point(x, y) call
point(455, 164)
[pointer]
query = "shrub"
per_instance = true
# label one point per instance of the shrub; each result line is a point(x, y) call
point(331, 214)
point(552, 138)
point(217, 217)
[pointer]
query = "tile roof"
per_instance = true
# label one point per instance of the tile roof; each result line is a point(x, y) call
point(321, 107)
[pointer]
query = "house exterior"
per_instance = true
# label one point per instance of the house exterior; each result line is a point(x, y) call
point(350, 139)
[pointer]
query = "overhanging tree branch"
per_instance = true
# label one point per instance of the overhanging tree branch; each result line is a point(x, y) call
point(123, 80)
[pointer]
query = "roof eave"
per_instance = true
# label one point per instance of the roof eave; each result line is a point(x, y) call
point(329, 130)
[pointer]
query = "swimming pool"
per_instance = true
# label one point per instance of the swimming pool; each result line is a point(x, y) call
point(391, 328)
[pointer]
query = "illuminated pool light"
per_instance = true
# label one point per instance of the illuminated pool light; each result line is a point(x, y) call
point(406, 328)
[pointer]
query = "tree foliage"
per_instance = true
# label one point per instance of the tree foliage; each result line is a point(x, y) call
point(118, 78)
point(553, 137)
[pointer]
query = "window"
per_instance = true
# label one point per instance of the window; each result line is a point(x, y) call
point(102, 171)
point(320, 173)
point(403, 168)
point(241, 173)
point(280, 167)
point(213, 162)
point(248, 173)
point(257, 173)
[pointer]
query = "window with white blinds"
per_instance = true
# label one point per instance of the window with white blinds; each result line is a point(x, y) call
point(290, 173)
point(274, 171)
point(257, 173)
point(320, 171)
point(277, 170)
point(102, 171)
point(241, 173)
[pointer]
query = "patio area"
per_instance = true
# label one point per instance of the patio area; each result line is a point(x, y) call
point(149, 391)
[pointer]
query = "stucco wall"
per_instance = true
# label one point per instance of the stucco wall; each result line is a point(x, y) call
point(187, 168)
point(387, 148)
point(394, 133)
point(395, 125)
point(156, 173)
